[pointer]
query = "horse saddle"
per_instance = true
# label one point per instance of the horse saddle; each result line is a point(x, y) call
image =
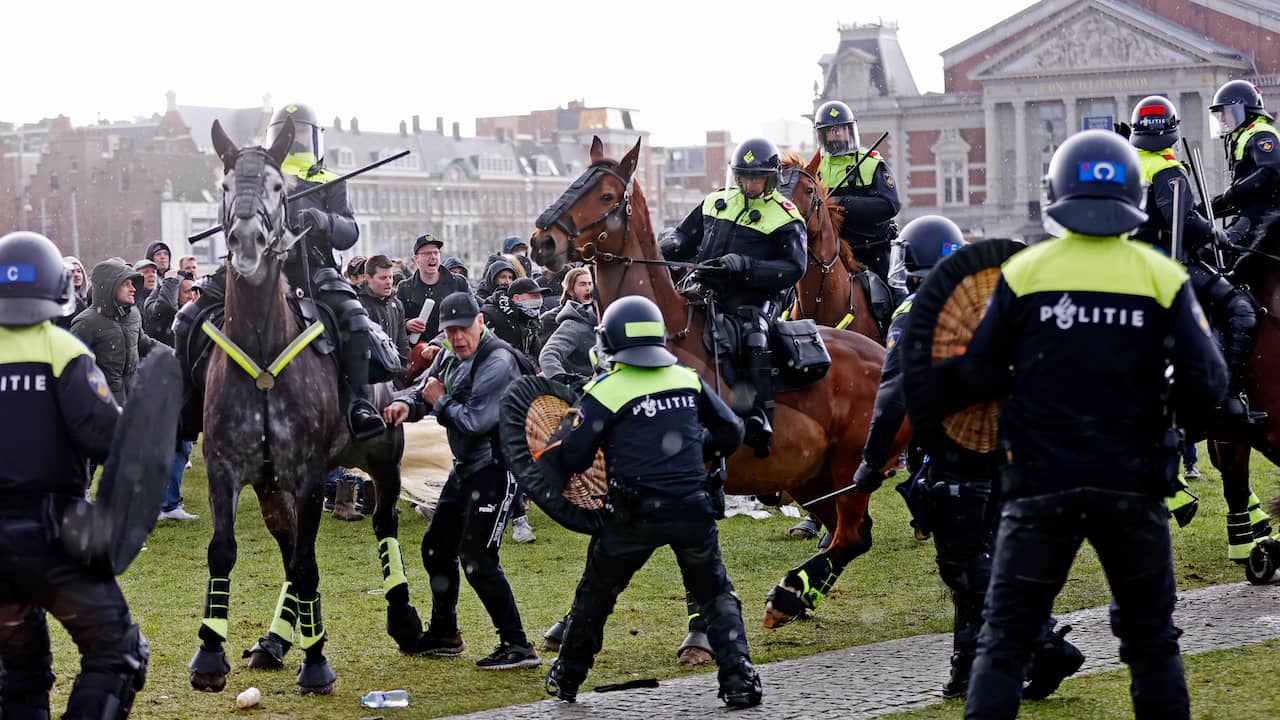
point(880, 298)
point(800, 357)
point(384, 357)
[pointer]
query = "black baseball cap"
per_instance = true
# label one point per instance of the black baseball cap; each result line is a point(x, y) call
point(526, 285)
point(458, 310)
point(427, 239)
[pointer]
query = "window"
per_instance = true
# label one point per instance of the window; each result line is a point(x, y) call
point(953, 182)
point(346, 158)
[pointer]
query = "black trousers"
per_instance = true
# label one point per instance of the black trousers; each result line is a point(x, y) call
point(963, 518)
point(467, 528)
point(1035, 546)
point(619, 551)
point(37, 577)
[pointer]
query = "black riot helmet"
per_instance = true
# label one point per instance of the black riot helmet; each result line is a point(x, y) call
point(921, 245)
point(308, 135)
point(34, 284)
point(1094, 186)
point(1154, 124)
point(836, 127)
point(633, 332)
point(1233, 105)
point(757, 157)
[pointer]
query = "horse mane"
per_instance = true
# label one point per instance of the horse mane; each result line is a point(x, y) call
point(792, 159)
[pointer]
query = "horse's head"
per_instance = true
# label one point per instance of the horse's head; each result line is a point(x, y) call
point(593, 207)
point(253, 204)
point(798, 182)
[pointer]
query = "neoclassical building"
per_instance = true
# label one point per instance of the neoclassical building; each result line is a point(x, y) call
point(977, 152)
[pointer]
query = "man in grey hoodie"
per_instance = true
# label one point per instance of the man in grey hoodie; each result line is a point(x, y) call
point(112, 325)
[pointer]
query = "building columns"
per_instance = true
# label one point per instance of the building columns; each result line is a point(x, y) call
point(1072, 116)
point(991, 135)
point(1020, 195)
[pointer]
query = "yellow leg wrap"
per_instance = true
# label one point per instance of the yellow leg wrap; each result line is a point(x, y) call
point(217, 597)
point(286, 613)
point(218, 625)
point(310, 623)
point(844, 321)
point(392, 564)
point(1256, 513)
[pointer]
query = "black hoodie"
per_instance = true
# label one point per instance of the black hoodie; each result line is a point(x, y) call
point(114, 331)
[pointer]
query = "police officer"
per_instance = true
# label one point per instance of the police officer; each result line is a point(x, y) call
point(1154, 131)
point(1086, 431)
point(868, 196)
point(327, 218)
point(962, 506)
point(1252, 145)
point(647, 414)
point(756, 239)
point(56, 415)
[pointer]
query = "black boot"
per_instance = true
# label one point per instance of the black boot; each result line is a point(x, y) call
point(1240, 330)
point(740, 686)
point(958, 684)
point(563, 682)
point(1054, 660)
point(363, 418)
point(759, 424)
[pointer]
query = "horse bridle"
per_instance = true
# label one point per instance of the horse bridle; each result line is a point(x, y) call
point(824, 266)
point(250, 170)
point(557, 216)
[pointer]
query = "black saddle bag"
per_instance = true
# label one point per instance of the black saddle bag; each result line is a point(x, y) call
point(799, 353)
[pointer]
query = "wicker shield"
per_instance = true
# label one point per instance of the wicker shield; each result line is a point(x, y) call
point(946, 311)
point(532, 409)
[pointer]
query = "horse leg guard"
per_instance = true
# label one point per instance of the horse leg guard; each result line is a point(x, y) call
point(403, 623)
point(1239, 536)
point(800, 590)
point(554, 635)
point(209, 666)
point(268, 653)
point(315, 677)
point(1259, 521)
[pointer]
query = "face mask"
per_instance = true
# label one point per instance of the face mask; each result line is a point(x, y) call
point(531, 307)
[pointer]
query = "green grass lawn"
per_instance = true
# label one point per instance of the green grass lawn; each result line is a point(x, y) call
point(891, 592)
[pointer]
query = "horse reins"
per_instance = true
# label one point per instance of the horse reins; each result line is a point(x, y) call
point(824, 267)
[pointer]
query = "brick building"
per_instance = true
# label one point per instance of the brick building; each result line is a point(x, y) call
point(1013, 92)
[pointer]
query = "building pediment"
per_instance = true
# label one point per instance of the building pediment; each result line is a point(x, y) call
point(1096, 39)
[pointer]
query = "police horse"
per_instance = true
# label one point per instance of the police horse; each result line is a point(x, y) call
point(835, 288)
point(1259, 271)
point(819, 430)
point(280, 429)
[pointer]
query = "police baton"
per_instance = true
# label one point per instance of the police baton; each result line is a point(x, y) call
point(1175, 245)
point(314, 188)
point(828, 496)
point(854, 168)
point(1197, 163)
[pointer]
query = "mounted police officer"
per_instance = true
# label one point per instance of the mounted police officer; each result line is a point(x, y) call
point(867, 196)
point(755, 239)
point(1086, 432)
point(647, 413)
point(326, 218)
point(56, 415)
point(1252, 145)
point(1154, 131)
point(962, 505)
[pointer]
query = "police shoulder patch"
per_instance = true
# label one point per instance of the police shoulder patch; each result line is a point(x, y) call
point(1266, 145)
point(888, 178)
point(98, 382)
point(894, 334)
point(1201, 320)
point(787, 204)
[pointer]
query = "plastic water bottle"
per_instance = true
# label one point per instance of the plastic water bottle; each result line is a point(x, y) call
point(386, 698)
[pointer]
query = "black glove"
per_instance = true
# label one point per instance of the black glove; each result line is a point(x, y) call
point(1223, 204)
point(1223, 239)
point(1124, 129)
point(669, 245)
point(868, 479)
point(733, 262)
point(316, 219)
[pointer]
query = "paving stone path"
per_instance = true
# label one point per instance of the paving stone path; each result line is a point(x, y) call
point(888, 677)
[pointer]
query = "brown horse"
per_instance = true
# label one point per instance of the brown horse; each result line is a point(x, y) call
point(280, 430)
point(830, 292)
point(1230, 454)
point(819, 431)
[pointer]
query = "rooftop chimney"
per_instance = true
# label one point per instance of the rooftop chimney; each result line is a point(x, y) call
point(337, 123)
point(417, 124)
point(439, 125)
point(170, 101)
point(457, 132)
point(404, 129)
point(355, 125)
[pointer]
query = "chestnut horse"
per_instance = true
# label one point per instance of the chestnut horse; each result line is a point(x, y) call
point(830, 292)
point(280, 430)
point(1259, 271)
point(819, 431)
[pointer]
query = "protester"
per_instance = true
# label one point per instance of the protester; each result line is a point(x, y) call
point(112, 326)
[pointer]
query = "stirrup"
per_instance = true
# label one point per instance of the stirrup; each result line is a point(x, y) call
point(363, 420)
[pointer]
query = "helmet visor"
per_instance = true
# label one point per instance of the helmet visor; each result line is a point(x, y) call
point(1223, 120)
point(755, 184)
point(307, 139)
point(898, 266)
point(839, 139)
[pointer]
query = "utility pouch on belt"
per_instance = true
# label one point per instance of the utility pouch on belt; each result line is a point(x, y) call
point(620, 504)
point(1170, 456)
point(715, 490)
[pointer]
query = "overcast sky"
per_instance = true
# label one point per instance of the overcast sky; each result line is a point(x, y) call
point(687, 67)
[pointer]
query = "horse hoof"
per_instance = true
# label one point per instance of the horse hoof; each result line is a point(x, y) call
point(267, 653)
point(404, 626)
point(775, 618)
point(316, 678)
point(692, 656)
point(549, 645)
point(208, 682)
point(1260, 568)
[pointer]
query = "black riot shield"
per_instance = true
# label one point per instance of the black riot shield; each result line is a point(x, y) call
point(532, 411)
point(945, 312)
point(110, 532)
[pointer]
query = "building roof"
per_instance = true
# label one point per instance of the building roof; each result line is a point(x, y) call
point(243, 125)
